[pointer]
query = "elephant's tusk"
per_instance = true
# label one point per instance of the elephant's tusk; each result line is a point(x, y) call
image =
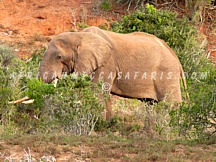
point(55, 81)
point(20, 100)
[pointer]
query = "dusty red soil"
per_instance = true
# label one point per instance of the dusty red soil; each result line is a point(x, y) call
point(26, 24)
point(208, 31)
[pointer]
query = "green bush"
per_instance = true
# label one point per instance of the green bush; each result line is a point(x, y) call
point(74, 106)
point(163, 24)
point(106, 5)
point(198, 115)
point(13, 85)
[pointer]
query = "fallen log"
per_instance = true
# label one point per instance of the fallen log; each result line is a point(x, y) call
point(28, 101)
point(24, 100)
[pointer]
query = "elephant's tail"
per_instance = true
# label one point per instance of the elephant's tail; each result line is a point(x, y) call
point(184, 82)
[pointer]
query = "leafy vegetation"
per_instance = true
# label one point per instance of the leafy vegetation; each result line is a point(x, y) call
point(106, 5)
point(107, 148)
point(199, 114)
point(76, 105)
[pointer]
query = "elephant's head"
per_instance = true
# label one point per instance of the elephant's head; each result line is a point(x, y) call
point(69, 52)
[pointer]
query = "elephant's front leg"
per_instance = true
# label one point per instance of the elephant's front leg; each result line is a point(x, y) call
point(108, 111)
point(107, 76)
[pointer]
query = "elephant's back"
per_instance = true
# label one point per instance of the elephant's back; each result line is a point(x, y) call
point(100, 32)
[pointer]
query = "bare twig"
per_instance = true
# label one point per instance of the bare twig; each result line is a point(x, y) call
point(6, 158)
point(209, 53)
point(137, 4)
point(74, 19)
point(129, 5)
point(20, 100)
point(28, 156)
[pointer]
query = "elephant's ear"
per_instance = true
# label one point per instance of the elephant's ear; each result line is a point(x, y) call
point(93, 52)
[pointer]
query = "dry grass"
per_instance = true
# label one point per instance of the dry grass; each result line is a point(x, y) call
point(141, 134)
point(100, 148)
point(151, 120)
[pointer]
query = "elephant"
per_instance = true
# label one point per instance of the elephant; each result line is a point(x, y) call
point(135, 65)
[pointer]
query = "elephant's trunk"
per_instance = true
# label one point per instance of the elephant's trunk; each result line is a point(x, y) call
point(47, 74)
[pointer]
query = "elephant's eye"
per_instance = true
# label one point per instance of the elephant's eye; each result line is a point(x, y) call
point(59, 57)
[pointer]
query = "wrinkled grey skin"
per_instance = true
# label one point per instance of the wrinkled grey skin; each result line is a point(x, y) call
point(127, 62)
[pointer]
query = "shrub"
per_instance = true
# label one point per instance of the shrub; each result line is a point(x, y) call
point(106, 5)
point(164, 24)
point(74, 106)
point(198, 114)
point(14, 75)
point(6, 58)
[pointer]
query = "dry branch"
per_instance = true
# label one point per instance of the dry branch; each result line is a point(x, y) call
point(24, 100)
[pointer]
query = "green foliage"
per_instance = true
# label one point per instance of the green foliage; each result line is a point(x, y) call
point(163, 24)
point(13, 73)
point(197, 116)
point(6, 55)
point(37, 90)
point(74, 106)
point(83, 25)
point(106, 5)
